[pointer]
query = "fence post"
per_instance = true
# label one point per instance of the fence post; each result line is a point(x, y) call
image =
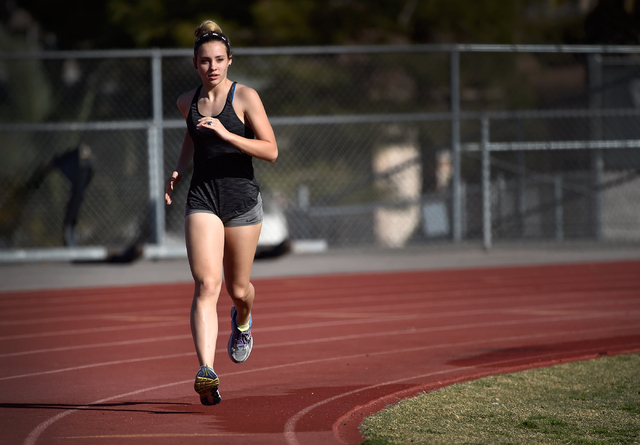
point(502, 192)
point(557, 188)
point(486, 183)
point(456, 199)
point(597, 163)
point(155, 153)
point(521, 185)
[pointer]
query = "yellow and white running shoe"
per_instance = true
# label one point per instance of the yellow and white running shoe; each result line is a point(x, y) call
point(206, 385)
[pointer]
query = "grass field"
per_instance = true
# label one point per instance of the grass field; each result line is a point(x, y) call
point(592, 402)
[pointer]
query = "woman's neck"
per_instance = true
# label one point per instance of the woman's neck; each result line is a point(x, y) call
point(216, 91)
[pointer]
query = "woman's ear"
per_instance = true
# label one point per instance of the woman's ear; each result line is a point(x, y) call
point(194, 63)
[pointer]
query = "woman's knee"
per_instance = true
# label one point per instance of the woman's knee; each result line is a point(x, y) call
point(208, 286)
point(240, 291)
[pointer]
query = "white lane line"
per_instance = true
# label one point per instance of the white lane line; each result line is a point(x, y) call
point(99, 316)
point(96, 303)
point(466, 326)
point(290, 426)
point(411, 331)
point(156, 436)
point(106, 302)
point(392, 319)
point(96, 365)
point(95, 330)
point(35, 433)
point(98, 345)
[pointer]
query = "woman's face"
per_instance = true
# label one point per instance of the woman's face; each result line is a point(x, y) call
point(212, 62)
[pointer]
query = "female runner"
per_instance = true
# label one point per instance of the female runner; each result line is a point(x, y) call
point(227, 127)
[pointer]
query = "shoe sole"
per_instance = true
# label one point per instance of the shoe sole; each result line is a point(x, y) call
point(205, 386)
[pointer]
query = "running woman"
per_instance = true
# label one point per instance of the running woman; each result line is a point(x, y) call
point(227, 127)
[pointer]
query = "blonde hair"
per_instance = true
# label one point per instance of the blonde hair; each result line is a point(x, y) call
point(210, 31)
point(206, 27)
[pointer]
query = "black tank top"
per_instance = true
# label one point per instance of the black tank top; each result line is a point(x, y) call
point(223, 179)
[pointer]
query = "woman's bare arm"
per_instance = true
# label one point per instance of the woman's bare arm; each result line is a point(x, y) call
point(186, 153)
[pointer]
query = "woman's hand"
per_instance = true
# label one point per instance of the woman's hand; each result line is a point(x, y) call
point(170, 184)
point(250, 110)
point(213, 124)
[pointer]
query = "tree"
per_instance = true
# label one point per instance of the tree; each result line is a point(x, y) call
point(611, 23)
point(170, 23)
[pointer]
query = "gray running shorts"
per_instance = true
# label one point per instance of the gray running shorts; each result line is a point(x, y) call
point(250, 218)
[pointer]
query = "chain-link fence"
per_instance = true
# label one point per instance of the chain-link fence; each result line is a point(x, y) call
point(391, 146)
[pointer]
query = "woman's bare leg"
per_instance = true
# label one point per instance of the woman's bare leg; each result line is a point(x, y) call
point(239, 252)
point(205, 246)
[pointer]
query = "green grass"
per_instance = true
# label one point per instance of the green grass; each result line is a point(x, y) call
point(593, 402)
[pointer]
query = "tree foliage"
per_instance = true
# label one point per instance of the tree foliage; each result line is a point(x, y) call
point(75, 24)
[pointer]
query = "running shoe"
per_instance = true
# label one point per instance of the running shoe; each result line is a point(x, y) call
point(240, 343)
point(206, 384)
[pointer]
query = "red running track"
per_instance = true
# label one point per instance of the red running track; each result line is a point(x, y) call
point(116, 365)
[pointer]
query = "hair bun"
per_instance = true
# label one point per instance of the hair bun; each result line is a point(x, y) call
point(207, 26)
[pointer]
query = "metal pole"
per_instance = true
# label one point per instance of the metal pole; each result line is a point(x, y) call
point(521, 184)
point(597, 162)
point(155, 152)
point(486, 184)
point(502, 198)
point(456, 198)
point(598, 172)
point(557, 188)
